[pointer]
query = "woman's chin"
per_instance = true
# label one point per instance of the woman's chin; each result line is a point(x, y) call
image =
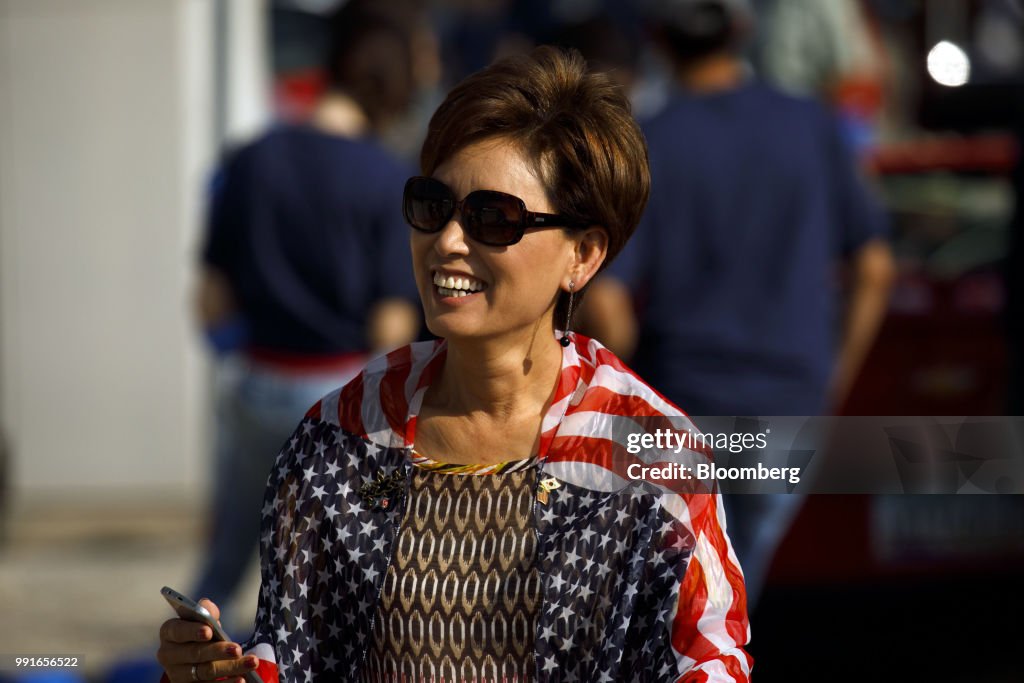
point(449, 326)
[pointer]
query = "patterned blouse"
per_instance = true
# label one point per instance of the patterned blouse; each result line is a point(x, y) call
point(460, 599)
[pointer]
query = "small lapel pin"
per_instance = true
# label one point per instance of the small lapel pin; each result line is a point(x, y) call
point(546, 486)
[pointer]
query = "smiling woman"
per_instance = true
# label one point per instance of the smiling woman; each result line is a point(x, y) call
point(462, 510)
point(514, 295)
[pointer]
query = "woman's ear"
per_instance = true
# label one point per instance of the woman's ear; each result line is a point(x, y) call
point(589, 252)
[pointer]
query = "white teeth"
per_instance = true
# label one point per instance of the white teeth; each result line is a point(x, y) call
point(456, 284)
point(444, 291)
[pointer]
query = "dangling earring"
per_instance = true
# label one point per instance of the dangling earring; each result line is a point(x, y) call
point(564, 341)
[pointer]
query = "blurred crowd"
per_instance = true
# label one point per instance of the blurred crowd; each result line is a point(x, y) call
point(873, 63)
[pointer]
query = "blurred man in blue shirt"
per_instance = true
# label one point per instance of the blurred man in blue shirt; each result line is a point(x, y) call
point(755, 201)
point(305, 270)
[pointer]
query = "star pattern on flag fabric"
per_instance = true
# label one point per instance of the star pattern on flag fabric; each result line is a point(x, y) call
point(589, 625)
point(325, 547)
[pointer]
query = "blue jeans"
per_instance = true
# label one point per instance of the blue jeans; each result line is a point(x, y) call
point(257, 408)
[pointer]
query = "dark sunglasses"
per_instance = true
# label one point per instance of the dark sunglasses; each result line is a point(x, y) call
point(488, 216)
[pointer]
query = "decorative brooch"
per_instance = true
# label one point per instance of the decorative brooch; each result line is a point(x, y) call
point(382, 491)
point(546, 486)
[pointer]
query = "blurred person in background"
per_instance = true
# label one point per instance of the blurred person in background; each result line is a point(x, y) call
point(462, 511)
point(304, 271)
point(755, 200)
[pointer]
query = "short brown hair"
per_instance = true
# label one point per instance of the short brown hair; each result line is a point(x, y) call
point(575, 125)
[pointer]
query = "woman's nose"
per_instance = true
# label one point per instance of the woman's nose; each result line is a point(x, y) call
point(452, 239)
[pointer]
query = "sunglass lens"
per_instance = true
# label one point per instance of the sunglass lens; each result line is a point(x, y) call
point(428, 204)
point(493, 217)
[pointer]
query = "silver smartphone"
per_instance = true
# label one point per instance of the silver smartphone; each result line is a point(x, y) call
point(189, 610)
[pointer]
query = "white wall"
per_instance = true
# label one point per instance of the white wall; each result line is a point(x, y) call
point(247, 69)
point(105, 141)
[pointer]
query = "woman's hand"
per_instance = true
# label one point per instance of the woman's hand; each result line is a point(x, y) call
point(187, 654)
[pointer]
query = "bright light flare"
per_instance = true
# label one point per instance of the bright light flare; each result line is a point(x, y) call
point(948, 64)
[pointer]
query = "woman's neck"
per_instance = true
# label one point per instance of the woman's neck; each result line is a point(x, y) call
point(338, 114)
point(503, 379)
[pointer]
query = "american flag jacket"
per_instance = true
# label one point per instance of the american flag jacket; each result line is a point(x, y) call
point(639, 580)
